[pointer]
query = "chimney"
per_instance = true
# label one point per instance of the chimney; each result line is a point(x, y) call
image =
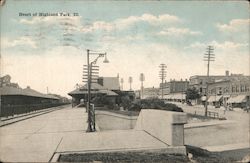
point(227, 73)
point(28, 87)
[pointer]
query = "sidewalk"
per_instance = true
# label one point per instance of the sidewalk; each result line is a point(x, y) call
point(40, 138)
point(36, 139)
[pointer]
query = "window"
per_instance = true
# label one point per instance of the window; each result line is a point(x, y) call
point(242, 88)
point(247, 88)
point(226, 90)
point(233, 89)
point(237, 88)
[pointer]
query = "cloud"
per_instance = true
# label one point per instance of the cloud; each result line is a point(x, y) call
point(21, 41)
point(124, 23)
point(149, 18)
point(178, 32)
point(226, 45)
point(229, 45)
point(235, 25)
point(97, 25)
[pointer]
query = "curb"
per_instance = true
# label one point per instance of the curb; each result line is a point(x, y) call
point(206, 124)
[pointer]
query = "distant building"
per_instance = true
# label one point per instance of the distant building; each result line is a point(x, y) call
point(174, 86)
point(105, 86)
point(233, 91)
point(200, 81)
point(174, 90)
point(17, 100)
point(150, 93)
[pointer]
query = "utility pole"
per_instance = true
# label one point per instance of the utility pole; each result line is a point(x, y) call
point(142, 78)
point(90, 76)
point(208, 57)
point(162, 75)
point(122, 81)
point(130, 80)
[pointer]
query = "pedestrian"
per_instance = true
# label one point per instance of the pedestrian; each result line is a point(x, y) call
point(247, 107)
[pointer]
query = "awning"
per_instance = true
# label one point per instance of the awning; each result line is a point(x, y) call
point(214, 98)
point(178, 96)
point(237, 99)
point(108, 92)
point(203, 98)
point(226, 96)
point(168, 97)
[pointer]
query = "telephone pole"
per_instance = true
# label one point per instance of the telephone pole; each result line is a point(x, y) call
point(162, 75)
point(122, 81)
point(208, 57)
point(142, 78)
point(130, 80)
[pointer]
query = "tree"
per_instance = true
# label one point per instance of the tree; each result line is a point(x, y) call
point(192, 94)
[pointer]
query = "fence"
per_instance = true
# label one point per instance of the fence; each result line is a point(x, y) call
point(11, 110)
point(213, 114)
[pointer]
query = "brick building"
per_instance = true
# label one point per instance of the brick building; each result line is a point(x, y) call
point(200, 81)
point(233, 91)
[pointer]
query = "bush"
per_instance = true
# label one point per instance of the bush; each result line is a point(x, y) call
point(137, 105)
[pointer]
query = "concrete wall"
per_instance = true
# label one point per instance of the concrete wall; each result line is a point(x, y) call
point(112, 121)
point(166, 126)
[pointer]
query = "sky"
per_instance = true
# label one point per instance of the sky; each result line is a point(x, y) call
point(49, 50)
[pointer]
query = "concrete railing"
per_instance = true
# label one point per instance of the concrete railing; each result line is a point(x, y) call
point(112, 121)
point(166, 126)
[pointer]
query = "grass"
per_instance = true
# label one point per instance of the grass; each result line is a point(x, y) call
point(198, 155)
point(146, 157)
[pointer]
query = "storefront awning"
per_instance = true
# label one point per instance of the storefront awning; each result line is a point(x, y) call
point(178, 96)
point(168, 97)
point(214, 98)
point(237, 99)
point(203, 98)
point(226, 96)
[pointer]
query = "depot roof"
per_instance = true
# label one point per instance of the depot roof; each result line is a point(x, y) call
point(8, 91)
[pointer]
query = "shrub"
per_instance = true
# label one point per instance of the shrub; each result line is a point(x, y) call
point(137, 105)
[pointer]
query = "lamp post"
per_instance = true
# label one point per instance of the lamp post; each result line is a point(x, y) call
point(91, 124)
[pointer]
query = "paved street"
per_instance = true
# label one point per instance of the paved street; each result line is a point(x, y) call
point(218, 135)
point(36, 139)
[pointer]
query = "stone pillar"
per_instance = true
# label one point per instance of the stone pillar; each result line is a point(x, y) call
point(167, 126)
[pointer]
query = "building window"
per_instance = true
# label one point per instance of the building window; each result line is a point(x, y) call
point(247, 88)
point(233, 89)
point(242, 88)
point(237, 88)
point(226, 90)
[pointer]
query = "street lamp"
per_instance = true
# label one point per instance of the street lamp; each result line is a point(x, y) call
point(91, 119)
